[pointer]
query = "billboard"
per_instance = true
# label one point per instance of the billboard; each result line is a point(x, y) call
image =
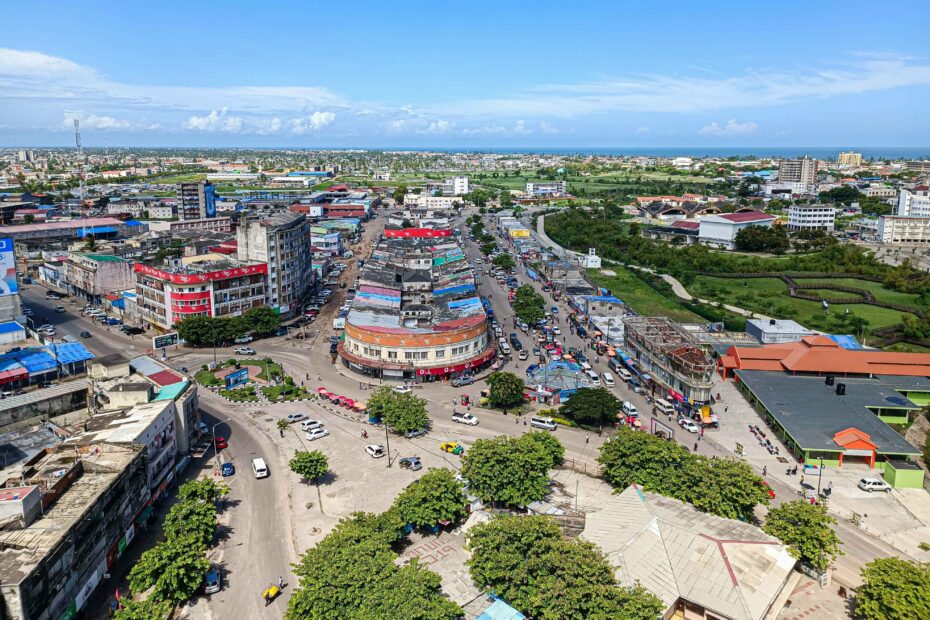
point(237, 378)
point(165, 340)
point(8, 285)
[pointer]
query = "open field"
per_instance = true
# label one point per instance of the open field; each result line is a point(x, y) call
point(876, 288)
point(640, 296)
point(770, 296)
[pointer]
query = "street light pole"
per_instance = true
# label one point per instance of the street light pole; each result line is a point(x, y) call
point(819, 476)
point(387, 442)
point(213, 329)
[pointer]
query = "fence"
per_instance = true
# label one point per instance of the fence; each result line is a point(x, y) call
point(588, 469)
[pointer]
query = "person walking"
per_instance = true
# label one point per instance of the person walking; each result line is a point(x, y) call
point(280, 583)
point(765, 471)
point(695, 446)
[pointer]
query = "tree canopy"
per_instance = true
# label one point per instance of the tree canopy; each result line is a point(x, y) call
point(504, 261)
point(175, 568)
point(202, 331)
point(149, 609)
point(513, 471)
point(402, 412)
point(527, 561)
point(727, 488)
point(592, 406)
point(763, 239)
point(192, 519)
point(806, 529)
point(203, 490)
point(437, 497)
point(894, 589)
point(528, 305)
point(352, 574)
point(506, 389)
point(309, 465)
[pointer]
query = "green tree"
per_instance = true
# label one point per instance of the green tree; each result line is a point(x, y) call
point(90, 244)
point(507, 470)
point(437, 497)
point(200, 331)
point(844, 194)
point(548, 442)
point(528, 305)
point(399, 192)
point(192, 519)
point(402, 412)
point(262, 320)
point(351, 574)
point(504, 261)
point(807, 530)
point(528, 562)
point(488, 247)
point(506, 199)
point(29, 218)
point(506, 389)
point(282, 425)
point(310, 466)
point(634, 457)
point(175, 568)
point(149, 609)
point(894, 589)
point(729, 488)
point(594, 406)
point(203, 490)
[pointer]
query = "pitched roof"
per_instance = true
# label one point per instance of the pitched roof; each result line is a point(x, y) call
point(728, 567)
point(746, 216)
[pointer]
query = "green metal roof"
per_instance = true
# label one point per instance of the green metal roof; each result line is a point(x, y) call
point(171, 392)
point(104, 258)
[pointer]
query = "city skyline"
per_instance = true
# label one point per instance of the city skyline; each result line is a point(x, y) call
point(425, 76)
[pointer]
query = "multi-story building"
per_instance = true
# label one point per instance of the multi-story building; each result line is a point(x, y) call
point(213, 224)
point(425, 201)
point(922, 165)
point(912, 204)
point(551, 188)
point(69, 513)
point(283, 242)
point(849, 159)
point(417, 313)
point(721, 230)
point(880, 191)
point(901, 230)
point(213, 288)
point(811, 217)
point(91, 276)
point(196, 201)
point(670, 356)
point(797, 171)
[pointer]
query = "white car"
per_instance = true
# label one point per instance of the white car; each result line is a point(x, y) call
point(689, 425)
point(874, 484)
point(295, 417)
point(401, 389)
point(316, 433)
point(556, 330)
point(375, 451)
point(309, 425)
point(245, 351)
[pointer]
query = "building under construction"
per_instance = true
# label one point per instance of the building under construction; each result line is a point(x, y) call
point(672, 358)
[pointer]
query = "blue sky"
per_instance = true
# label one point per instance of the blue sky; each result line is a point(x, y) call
point(474, 74)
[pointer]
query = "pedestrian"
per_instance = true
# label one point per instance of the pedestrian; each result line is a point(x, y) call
point(587, 439)
point(280, 583)
point(524, 421)
point(725, 408)
point(516, 420)
point(802, 480)
point(765, 471)
point(695, 446)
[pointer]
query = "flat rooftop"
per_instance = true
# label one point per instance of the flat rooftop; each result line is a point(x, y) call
point(22, 550)
point(811, 412)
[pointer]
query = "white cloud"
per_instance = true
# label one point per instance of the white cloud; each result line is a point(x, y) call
point(546, 128)
point(642, 129)
point(92, 121)
point(439, 126)
point(312, 123)
point(215, 121)
point(732, 128)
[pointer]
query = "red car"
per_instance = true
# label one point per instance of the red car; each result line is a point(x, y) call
point(220, 442)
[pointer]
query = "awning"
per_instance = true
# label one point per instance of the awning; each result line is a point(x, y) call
point(15, 374)
point(445, 370)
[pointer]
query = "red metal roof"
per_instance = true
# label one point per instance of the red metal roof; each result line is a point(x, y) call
point(165, 377)
point(687, 224)
point(748, 216)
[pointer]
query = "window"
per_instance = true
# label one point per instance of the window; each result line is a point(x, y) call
point(415, 355)
point(440, 353)
point(392, 355)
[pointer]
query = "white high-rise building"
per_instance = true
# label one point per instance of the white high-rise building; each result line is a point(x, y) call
point(913, 205)
point(811, 217)
point(459, 186)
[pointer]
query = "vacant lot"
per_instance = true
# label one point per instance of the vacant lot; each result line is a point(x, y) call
point(640, 296)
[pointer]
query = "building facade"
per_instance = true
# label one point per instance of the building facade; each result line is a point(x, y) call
point(551, 188)
point(898, 230)
point(91, 276)
point(215, 289)
point(849, 159)
point(912, 204)
point(811, 217)
point(196, 201)
point(283, 243)
point(797, 171)
point(721, 230)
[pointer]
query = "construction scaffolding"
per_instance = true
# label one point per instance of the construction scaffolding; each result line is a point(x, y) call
point(671, 355)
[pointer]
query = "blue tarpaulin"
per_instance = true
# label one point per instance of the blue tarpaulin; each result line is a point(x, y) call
point(35, 361)
point(464, 288)
point(71, 352)
point(96, 230)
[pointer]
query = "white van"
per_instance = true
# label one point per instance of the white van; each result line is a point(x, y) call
point(608, 379)
point(664, 407)
point(586, 367)
point(624, 374)
point(547, 424)
point(629, 409)
point(504, 346)
point(259, 468)
point(593, 376)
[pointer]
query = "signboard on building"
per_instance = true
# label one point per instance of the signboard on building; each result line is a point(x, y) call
point(8, 285)
point(237, 378)
point(165, 340)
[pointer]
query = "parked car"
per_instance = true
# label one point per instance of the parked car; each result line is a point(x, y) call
point(85, 334)
point(213, 582)
point(316, 433)
point(452, 447)
point(60, 309)
point(416, 433)
point(462, 381)
point(689, 425)
point(295, 417)
point(411, 462)
point(375, 451)
point(114, 321)
point(309, 425)
point(228, 469)
point(220, 443)
point(281, 331)
point(874, 484)
point(243, 340)
point(401, 389)
point(245, 351)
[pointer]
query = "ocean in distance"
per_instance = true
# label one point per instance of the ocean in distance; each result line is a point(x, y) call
point(817, 152)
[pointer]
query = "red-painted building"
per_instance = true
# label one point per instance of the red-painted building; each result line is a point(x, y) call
point(215, 289)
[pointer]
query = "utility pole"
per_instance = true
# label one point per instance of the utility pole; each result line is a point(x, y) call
point(387, 443)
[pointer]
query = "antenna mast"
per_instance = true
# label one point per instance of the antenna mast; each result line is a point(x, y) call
point(80, 155)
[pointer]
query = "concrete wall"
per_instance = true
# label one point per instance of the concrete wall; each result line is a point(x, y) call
point(50, 407)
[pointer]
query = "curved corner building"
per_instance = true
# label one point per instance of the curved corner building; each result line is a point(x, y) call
point(416, 313)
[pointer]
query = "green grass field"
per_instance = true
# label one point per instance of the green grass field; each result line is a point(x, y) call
point(906, 347)
point(770, 296)
point(876, 288)
point(828, 294)
point(641, 297)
